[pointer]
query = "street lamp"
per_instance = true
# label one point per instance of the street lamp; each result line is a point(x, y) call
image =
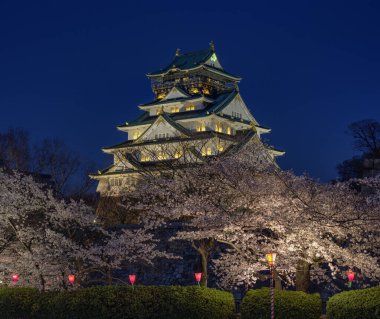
point(350, 277)
point(198, 277)
point(271, 258)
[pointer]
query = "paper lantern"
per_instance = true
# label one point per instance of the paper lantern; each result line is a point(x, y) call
point(198, 276)
point(132, 279)
point(71, 278)
point(350, 277)
point(15, 278)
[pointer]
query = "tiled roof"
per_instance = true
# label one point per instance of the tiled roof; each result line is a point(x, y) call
point(219, 104)
point(190, 61)
point(186, 61)
point(195, 136)
point(179, 99)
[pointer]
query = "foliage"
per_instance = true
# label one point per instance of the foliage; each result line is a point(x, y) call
point(355, 304)
point(44, 239)
point(18, 302)
point(251, 207)
point(288, 305)
point(120, 302)
point(366, 140)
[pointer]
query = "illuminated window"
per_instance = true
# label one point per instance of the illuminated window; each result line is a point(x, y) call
point(178, 154)
point(218, 128)
point(190, 107)
point(220, 148)
point(158, 111)
point(161, 156)
point(194, 90)
point(206, 91)
point(201, 127)
point(228, 130)
point(175, 109)
point(136, 135)
point(145, 158)
point(206, 151)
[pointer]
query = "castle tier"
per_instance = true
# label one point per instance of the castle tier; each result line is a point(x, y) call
point(197, 113)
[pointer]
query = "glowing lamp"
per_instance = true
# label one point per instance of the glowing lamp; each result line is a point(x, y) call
point(132, 279)
point(350, 277)
point(71, 278)
point(198, 277)
point(271, 258)
point(15, 278)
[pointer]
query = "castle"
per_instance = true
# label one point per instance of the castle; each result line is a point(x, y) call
point(197, 113)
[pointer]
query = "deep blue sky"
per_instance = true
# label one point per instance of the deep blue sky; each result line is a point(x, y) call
point(75, 70)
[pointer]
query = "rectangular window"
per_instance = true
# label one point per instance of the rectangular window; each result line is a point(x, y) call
point(228, 130)
point(206, 151)
point(136, 135)
point(218, 128)
point(161, 156)
point(145, 158)
point(175, 109)
point(178, 154)
point(190, 107)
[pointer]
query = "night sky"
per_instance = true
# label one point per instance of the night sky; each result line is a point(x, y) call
point(75, 70)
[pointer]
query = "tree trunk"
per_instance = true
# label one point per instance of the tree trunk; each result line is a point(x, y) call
point(204, 259)
point(109, 277)
point(204, 247)
point(277, 281)
point(303, 276)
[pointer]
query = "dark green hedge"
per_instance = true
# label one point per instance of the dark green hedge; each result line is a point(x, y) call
point(17, 302)
point(119, 302)
point(288, 305)
point(355, 304)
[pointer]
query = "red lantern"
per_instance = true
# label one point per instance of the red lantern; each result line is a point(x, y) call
point(198, 277)
point(15, 278)
point(350, 277)
point(132, 279)
point(71, 278)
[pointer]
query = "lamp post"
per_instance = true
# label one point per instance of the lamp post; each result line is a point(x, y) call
point(198, 278)
point(350, 277)
point(271, 258)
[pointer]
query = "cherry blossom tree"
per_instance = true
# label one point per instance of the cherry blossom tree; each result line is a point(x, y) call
point(44, 238)
point(245, 202)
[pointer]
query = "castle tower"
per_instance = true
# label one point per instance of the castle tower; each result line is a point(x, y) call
point(197, 113)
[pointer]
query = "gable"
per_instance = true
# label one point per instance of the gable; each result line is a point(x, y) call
point(214, 62)
point(238, 109)
point(161, 128)
point(175, 93)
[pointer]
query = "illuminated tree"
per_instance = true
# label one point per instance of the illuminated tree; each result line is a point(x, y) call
point(44, 239)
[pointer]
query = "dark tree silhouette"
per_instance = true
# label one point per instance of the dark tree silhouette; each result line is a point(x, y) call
point(366, 141)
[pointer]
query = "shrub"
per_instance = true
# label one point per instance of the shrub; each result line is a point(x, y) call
point(288, 305)
point(140, 302)
point(17, 302)
point(355, 304)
